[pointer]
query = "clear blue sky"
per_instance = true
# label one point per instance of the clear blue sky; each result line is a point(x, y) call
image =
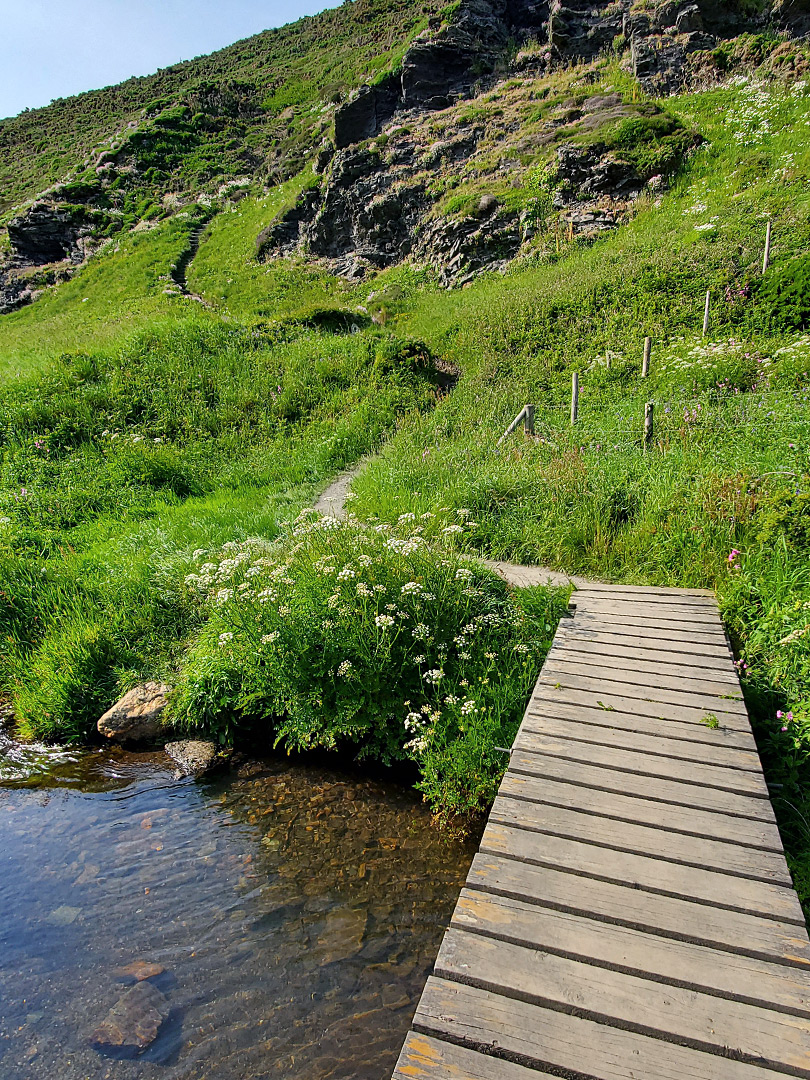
point(56, 48)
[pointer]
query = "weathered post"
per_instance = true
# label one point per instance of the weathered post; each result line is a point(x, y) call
point(766, 258)
point(528, 421)
point(574, 397)
point(645, 365)
point(648, 424)
point(706, 313)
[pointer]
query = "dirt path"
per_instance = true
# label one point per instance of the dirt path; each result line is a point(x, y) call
point(332, 503)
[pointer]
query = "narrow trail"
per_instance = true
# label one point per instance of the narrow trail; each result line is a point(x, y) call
point(179, 271)
point(332, 503)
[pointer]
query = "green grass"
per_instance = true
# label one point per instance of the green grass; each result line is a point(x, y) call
point(119, 291)
point(256, 401)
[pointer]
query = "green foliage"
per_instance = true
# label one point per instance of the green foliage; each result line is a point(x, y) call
point(382, 641)
point(785, 294)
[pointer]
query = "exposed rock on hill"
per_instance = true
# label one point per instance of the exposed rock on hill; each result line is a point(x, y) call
point(481, 143)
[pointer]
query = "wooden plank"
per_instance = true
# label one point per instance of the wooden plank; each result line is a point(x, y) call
point(426, 1058)
point(726, 857)
point(689, 680)
point(697, 667)
point(646, 609)
point(622, 807)
point(653, 640)
point(680, 963)
point(662, 593)
point(623, 905)
point(715, 1024)
point(557, 674)
point(716, 663)
point(643, 743)
point(655, 875)
point(681, 630)
point(542, 1037)
point(661, 710)
point(687, 731)
point(667, 792)
point(737, 781)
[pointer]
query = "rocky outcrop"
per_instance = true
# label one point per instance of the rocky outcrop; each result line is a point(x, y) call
point(137, 716)
point(50, 233)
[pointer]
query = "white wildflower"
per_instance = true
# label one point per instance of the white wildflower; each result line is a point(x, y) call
point(385, 622)
point(344, 669)
point(268, 639)
point(435, 675)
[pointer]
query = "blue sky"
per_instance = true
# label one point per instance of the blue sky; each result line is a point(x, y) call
point(56, 48)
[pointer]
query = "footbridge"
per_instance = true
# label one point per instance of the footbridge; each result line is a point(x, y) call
point(629, 913)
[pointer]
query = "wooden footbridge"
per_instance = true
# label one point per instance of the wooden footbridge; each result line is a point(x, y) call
point(629, 913)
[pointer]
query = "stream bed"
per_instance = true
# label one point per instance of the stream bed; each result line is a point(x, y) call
point(289, 913)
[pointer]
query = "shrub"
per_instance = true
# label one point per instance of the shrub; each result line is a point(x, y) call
point(785, 295)
point(369, 638)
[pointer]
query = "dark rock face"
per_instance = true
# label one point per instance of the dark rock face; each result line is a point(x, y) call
point(46, 234)
point(365, 113)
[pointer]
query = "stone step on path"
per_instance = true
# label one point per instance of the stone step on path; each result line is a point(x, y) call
point(629, 914)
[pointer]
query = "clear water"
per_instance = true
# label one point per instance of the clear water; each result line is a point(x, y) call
point(296, 911)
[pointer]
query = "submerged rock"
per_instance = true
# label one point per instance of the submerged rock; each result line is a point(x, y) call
point(136, 716)
point(194, 756)
point(133, 1022)
point(140, 970)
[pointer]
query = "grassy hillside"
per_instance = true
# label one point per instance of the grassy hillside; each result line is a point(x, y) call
point(262, 100)
point(151, 475)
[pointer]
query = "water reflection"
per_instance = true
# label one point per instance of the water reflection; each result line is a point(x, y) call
point(294, 911)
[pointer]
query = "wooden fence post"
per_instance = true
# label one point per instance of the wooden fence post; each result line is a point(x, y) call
point(648, 424)
point(528, 422)
point(574, 397)
point(766, 258)
point(645, 366)
point(706, 313)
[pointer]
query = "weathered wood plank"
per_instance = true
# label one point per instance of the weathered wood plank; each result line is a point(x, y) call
point(663, 1011)
point(707, 615)
point(653, 640)
point(560, 674)
point(668, 792)
point(681, 963)
point(620, 904)
point(661, 593)
point(612, 805)
point(542, 1037)
point(662, 710)
point(643, 871)
point(737, 781)
point(694, 667)
point(685, 679)
point(426, 1058)
point(643, 743)
point(685, 731)
point(683, 630)
point(726, 857)
point(714, 660)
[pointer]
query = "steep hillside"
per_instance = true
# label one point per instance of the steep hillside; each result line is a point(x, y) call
point(181, 397)
point(430, 130)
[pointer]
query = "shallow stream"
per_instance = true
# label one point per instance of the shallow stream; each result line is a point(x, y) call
point(296, 912)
